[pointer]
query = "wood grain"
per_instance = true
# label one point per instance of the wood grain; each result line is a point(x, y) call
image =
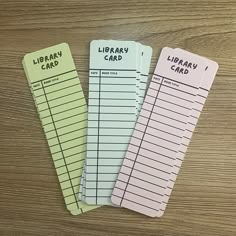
point(204, 198)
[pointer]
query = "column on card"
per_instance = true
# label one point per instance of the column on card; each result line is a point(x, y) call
point(63, 112)
point(93, 136)
point(120, 112)
point(192, 122)
point(115, 110)
point(166, 122)
point(168, 119)
point(134, 145)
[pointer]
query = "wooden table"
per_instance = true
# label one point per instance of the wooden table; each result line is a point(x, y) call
point(204, 198)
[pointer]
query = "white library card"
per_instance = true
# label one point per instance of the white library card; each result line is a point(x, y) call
point(111, 114)
point(143, 64)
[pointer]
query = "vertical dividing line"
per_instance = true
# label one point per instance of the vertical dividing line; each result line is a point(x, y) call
point(144, 132)
point(57, 136)
point(99, 90)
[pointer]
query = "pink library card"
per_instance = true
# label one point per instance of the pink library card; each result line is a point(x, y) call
point(158, 132)
point(200, 100)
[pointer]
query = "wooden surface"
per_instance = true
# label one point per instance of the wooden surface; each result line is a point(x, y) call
point(204, 198)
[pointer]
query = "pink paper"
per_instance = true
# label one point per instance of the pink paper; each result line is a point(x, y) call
point(158, 132)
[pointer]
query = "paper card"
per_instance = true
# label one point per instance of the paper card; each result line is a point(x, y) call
point(62, 108)
point(158, 132)
point(145, 53)
point(198, 105)
point(111, 114)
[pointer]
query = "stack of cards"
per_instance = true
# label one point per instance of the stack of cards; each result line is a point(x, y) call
point(172, 106)
point(62, 109)
point(118, 76)
point(123, 150)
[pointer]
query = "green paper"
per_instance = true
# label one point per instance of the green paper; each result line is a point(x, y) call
point(62, 108)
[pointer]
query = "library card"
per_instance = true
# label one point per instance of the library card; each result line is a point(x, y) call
point(146, 53)
point(62, 108)
point(111, 114)
point(198, 105)
point(158, 132)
